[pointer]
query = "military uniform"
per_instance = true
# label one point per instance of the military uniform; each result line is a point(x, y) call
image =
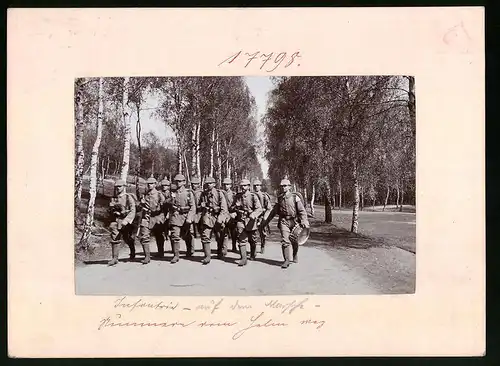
point(167, 195)
point(266, 207)
point(214, 211)
point(153, 220)
point(122, 208)
point(230, 224)
point(194, 229)
point(245, 209)
point(290, 211)
point(182, 211)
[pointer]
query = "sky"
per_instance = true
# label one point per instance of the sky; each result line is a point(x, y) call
point(259, 87)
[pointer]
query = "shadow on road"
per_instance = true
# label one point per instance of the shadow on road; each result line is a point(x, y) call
point(271, 262)
point(329, 236)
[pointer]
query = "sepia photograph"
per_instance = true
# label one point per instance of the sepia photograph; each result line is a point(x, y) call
point(245, 185)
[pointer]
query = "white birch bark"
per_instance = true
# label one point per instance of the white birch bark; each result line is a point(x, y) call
point(89, 220)
point(219, 161)
point(313, 197)
point(126, 122)
point(212, 145)
point(79, 152)
point(355, 209)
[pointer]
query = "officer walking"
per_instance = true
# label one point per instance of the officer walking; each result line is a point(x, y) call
point(290, 210)
point(245, 209)
point(213, 215)
point(194, 229)
point(266, 208)
point(182, 211)
point(230, 224)
point(122, 207)
point(153, 219)
point(167, 195)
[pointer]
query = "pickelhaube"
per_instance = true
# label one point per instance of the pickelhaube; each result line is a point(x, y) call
point(257, 183)
point(244, 182)
point(119, 183)
point(195, 180)
point(151, 180)
point(210, 180)
point(179, 178)
point(165, 182)
point(285, 182)
point(227, 181)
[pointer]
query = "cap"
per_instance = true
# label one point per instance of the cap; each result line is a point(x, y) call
point(179, 178)
point(244, 182)
point(210, 180)
point(227, 181)
point(151, 180)
point(165, 182)
point(257, 183)
point(119, 183)
point(195, 180)
point(285, 182)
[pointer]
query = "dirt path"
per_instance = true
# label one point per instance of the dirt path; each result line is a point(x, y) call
point(333, 262)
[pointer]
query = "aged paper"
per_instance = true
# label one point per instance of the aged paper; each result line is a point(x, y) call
point(442, 47)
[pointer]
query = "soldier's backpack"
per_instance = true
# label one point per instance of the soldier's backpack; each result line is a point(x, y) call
point(299, 195)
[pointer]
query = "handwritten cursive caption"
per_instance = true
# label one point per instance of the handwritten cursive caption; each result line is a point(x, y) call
point(264, 61)
point(239, 317)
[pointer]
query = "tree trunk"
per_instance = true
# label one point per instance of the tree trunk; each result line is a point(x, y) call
point(305, 198)
point(397, 195)
point(195, 163)
point(80, 154)
point(139, 160)
point(106, 172)
point(126, 122)
point(313, 196)
point(179, 158)
point(228, 166)
point(411, 104)
point(340, 188)
point(89, 220)
point(401, 202)
point(219, 161)
point(212, 145)
point(386, 198)
point(362, 198)
point(355, 209)
point(328, 207)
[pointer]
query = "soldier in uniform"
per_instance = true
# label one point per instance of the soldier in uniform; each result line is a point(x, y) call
point(195, 228)
point(167, 194)
point(182, 211)
point(230, 224)
point(213, 207)
point(290, 210)
point(245, 209)
point(266, 207)
point(122, 207)
point(153, 219)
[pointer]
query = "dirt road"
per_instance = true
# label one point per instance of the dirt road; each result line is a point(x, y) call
point(332, 262)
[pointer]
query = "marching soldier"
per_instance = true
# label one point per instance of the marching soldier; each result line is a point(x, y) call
point(230, 224)
point(153, 219)
point(195, 228)
point(265, 201)
point(167, 194)
point(213, 215)
point(290, 210)
point(182, 211)
point(122, 207)
point(245, 209)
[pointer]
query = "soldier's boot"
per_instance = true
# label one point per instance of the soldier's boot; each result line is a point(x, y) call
point(176, 249)
point(286, 257)
point(262, 246)
point(161, 250)
point(189, 247)
point(114, 254)
point(131, 246)
point(206, 250)
point(234, 249)
point(243, 253)
point(224, 248)
point(147, 254)
point(253, 250)
point(295, 253)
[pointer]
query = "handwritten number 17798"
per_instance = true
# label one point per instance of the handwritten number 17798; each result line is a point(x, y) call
point(273, 60)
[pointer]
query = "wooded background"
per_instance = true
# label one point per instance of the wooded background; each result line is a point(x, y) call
point(343, 141)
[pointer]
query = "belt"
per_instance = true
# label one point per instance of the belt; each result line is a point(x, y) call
point(288, 217)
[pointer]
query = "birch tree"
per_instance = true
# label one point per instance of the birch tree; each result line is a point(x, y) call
point(79, 151)
point(89, 220)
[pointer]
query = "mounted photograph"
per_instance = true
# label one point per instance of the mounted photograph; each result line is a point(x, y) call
point(245, 185)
